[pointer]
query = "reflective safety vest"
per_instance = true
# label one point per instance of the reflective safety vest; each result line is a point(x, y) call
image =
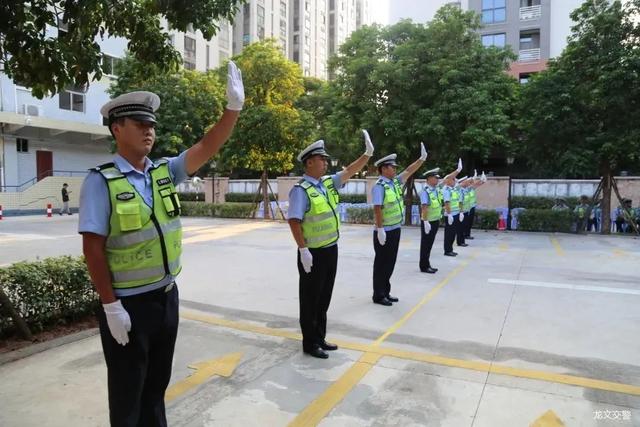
point(392, 205)
point(454, 203)
point(321, 223)
point(434, 210)
point(144, 244)
point(474, 200)
point(466, 201)
point(581, 211)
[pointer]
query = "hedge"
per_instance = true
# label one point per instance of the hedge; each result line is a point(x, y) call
point(353, 198)
point(529, 202)
point(245, 197)
point(47, 293)
point(360, 215)
point(546, 220)
point(486, 219)
point(191, 197)
point(221, 210)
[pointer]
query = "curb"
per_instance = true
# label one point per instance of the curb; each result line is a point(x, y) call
point(22, 353)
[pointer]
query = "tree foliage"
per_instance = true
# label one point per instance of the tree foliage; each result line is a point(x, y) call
point(35, 54)
point(270, 131)
point(411, 82)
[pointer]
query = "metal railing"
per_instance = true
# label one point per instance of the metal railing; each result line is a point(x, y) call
point(530, 12)
point(526, 55)
point(25, 185)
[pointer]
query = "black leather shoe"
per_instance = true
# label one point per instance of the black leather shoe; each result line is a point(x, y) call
point(382, 301)
point(468, 238)
point(392, 299)
point(327, 346)
point(451, 254)
point(317, 352)
point(464, 245)
point(430, 270)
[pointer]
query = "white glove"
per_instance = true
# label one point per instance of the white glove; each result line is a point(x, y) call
point(483, 177)
point(423, 152)
point(306, 259)
point(459, 165)
point(235, 88)
point(427, 227)
point(382, 236)
point(369, 145)
point(461, 216)
point(475, 174)
point(118, 320)
point(450, 219)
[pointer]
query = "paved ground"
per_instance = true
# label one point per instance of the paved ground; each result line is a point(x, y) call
point(520, 329)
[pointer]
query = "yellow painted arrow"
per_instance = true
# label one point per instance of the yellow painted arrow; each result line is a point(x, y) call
point(223, 366)
point(548, 419)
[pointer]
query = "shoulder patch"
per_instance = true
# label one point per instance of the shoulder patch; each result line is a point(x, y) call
point(127, 195)
point(163, 181)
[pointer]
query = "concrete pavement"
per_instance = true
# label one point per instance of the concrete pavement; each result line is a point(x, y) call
point(495, 338)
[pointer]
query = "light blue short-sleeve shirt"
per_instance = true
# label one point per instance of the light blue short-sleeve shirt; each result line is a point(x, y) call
point(446, 196)
point(377, 196)
point(95, 207)
point(424, 195)
point(298, 200)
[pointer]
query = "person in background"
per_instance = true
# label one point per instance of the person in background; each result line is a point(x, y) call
point(581, 211)
point(65, 199)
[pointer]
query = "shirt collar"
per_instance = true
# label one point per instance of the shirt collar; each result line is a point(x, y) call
point(387, 180)
point(125, 167)
point(312, 180)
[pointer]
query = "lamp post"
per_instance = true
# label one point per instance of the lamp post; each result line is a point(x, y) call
point(334, 163)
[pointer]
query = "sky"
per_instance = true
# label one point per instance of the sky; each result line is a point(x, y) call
point(379, 11)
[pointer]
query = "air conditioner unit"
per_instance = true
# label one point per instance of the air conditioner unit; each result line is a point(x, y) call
point(32, 110)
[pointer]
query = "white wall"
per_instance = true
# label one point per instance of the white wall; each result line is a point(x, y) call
point(561, 24)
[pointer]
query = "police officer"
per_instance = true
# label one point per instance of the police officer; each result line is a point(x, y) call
point(460, 188)
point(431, 212)
point(451, 200)
point(315, 226)
point(473, 202)
point(388, 211)
point(131, 237)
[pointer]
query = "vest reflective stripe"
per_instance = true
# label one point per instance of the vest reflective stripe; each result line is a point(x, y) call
point(133, 238)
point(130, 275)
point(393, 205)
point(434, 210)
point(144, 244)
point(320, 224)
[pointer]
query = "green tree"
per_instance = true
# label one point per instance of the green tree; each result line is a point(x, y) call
point(34, 53)
point(434, 83)
point(191, 102)
point(579, 117)
point(270, 131)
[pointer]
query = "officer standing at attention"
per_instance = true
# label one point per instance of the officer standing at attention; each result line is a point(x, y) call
point(431, 212)
point(460, 226)
point(315, 225)
point(388, 211)
point(132, 241)
point(465, 191)
point(451, 201)
point(473, 202)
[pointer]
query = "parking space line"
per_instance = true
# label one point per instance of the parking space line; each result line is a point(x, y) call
point(565, 286)
point(556, 245)
point(425, 357)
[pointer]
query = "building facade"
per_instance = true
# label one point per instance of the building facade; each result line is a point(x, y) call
point(261, 19)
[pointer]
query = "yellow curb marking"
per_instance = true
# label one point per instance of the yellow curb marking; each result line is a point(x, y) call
point(548, 419)
point(556, 245)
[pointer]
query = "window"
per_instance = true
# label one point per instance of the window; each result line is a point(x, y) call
point(72, 101)
point(524, 78)
point(497, 40)
point(109, 64)
point(296, 39)
point(494, 11)
point(260, 22)
point(529, 41)
point(283, 9)
point(63, 28)
point(22, 145)
point(189, 53)
point(223, 35)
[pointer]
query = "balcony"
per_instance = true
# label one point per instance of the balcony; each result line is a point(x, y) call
point(189, 55)
point(528, 55)
point(530, 12)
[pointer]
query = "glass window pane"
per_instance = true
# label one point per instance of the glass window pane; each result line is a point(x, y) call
point(487, 4)
point(487, 41)
point(64, 100)
point(487, 16)
point(499, 15)
point(499, 3)
point(500, 40)
point(78, 102)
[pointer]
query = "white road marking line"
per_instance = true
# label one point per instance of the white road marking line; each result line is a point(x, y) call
point(566, 286)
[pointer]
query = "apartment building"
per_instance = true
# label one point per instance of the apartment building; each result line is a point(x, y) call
point(64, 135)
point(342, 22)
point(536, 30)
point(260, 19)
